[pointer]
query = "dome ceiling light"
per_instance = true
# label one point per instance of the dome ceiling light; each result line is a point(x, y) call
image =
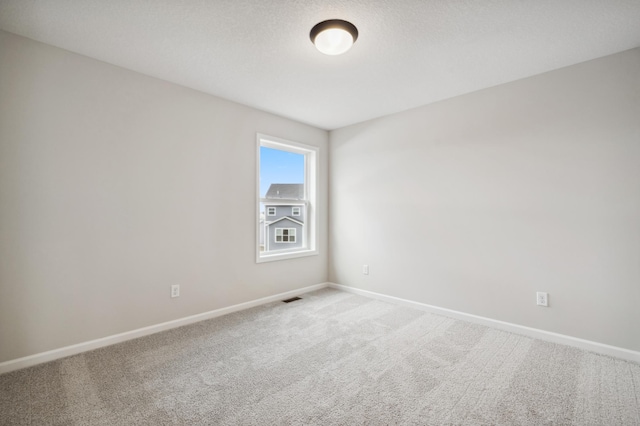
point(334, 37)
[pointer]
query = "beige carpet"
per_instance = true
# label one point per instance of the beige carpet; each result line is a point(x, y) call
point(332, 358)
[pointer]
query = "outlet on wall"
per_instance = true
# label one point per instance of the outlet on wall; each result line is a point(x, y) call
point(175, 290)
point(542, 298)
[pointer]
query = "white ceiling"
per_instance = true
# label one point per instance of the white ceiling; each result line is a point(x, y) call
point(257, 52)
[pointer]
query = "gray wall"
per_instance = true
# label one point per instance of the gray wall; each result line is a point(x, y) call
point(113, 186)
point(477, 202)
point(112, 183)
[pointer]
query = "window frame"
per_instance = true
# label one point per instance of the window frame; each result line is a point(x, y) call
point(310, 202)
point(294, 209)
point(275, 211)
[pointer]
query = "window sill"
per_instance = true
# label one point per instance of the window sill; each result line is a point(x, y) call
point(262, 258)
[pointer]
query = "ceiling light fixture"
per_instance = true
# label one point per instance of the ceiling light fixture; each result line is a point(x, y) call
point(334, 37)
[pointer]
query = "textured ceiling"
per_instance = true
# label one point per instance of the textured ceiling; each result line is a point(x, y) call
point(257, 52)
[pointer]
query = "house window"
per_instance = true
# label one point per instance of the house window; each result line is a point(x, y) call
point(287, 178)
point(285, 235)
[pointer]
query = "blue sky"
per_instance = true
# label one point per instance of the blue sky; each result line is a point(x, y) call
point(278, 166)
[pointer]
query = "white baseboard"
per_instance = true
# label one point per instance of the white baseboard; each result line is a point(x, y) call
point(31, 360)
point(535, 333)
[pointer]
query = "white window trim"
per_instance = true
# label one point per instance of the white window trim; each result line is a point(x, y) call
point(274, 211)
point(294, 209)
point(310, 236)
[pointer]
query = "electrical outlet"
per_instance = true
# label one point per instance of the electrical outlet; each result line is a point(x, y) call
point(542, 298)
point(365, 269)
point(175, 290)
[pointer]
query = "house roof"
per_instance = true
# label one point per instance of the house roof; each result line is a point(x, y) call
point(283, 218)
point(289, 191)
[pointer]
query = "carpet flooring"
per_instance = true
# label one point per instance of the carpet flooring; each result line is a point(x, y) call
point(332, 358)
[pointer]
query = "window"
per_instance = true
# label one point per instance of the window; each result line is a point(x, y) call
point(285, 235)
point(286, 178)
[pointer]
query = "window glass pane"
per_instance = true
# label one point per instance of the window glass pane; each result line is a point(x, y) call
point(287, 188)
point(280, 167)
point(282, 178)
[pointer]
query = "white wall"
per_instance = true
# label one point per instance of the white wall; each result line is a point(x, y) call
point(477, 202)
point(113, 186)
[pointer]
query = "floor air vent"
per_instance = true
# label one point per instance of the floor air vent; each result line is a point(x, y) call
point(293, 299)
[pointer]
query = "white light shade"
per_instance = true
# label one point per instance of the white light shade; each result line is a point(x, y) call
point(334, 36)
point(334, 41)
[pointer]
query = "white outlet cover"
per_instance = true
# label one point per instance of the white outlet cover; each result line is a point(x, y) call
point(175, 290)
point(542, 298)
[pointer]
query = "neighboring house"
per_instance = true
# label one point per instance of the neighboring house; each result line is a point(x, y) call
point(284, 218)
point(261, 228)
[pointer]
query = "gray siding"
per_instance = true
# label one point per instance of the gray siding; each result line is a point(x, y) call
point(282, 211)
point(285, 223)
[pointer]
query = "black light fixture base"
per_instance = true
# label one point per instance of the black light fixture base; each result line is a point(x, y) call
point(333, 23)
